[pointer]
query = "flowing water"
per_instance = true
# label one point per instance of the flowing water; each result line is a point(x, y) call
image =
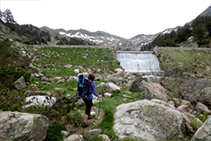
point(139, 62)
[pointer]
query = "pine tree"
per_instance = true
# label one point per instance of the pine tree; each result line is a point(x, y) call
point(8, 17)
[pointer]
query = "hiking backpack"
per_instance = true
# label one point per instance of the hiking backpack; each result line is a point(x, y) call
point(83, 86)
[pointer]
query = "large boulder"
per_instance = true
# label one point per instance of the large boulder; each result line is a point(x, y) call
point(204, 132)
point(149, 121)
point(205, 96)
point(22, 126)
point(111, 88)
point(151, 90)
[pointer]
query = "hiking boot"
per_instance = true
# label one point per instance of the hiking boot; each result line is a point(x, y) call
point(85, 125)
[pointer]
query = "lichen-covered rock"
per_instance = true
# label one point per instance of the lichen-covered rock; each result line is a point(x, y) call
point(22, 126)
point(150, 121)
point(204, 132)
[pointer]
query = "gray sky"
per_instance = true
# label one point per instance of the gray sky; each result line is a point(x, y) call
point(125, 18)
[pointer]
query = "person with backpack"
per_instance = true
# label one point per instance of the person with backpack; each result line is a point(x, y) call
point(88, 99)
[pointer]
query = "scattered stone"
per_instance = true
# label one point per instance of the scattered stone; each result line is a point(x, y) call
point(126, 96)
point(45, 79)
point(45, 83)
point(60, 81)
point(39, 100)
point(70, 128)
point(107, 94)
point(80, 103)
point(20, 83)
point(202, 108)
point(58, 89)
point(90, 133)
point(92, 113)
point(56, 78)
point(76, 71)
point(67, 66)
point(74, 137)
point(105, 137)
point(128, 92)
point(65, 133)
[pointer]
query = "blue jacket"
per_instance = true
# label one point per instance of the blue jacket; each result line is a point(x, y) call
point(92, 89)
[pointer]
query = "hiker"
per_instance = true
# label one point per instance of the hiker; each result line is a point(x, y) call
point(88, 100)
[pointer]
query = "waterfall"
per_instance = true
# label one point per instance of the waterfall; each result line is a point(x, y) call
point(139, 62)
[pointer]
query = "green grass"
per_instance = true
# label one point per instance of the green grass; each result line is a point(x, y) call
point(192, 61)
point(48, 58)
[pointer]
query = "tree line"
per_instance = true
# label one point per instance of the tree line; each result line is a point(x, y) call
point(200, 29)
point(32, 35)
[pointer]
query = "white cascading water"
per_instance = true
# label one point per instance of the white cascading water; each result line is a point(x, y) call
point(139, 62)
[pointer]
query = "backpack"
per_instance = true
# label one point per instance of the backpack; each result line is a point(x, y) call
point(83, 86)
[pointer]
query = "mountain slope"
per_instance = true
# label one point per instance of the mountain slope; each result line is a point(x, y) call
point(99, 37)
point(206, 12)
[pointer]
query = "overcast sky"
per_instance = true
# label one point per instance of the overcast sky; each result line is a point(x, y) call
point(125, 18)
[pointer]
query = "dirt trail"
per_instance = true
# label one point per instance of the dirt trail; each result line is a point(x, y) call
point(92, 122)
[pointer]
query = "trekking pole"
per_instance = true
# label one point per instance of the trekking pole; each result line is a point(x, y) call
point(99, 108)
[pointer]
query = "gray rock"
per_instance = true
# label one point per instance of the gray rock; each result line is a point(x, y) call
point(136, 83)
point(56, 78)
point(46, 83)
point(23, 127)
point(126, 96)
point(107, 94)
point(111, 88)
point(70, 128)
point(105, 137)
point(80, 103)
point(40, 100)
point(98, 77)
point(146, 120)
point(67, 66)
point(204, 132)
point(65, 133)
point(60, 81)
point(20, 83)
point(113, 80)
point(70, 78)
point(45, 79)
point(202, 108)
point(90, 133)
point(151, 90)
point(76, 71)
point(74, 137)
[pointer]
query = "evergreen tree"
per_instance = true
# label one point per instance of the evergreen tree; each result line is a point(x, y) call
point(8, 17)
point(199, 33)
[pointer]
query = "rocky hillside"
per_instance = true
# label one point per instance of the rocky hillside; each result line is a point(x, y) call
point(40, 84)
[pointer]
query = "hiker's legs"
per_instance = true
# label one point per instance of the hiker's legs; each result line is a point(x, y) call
point(89, 105)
